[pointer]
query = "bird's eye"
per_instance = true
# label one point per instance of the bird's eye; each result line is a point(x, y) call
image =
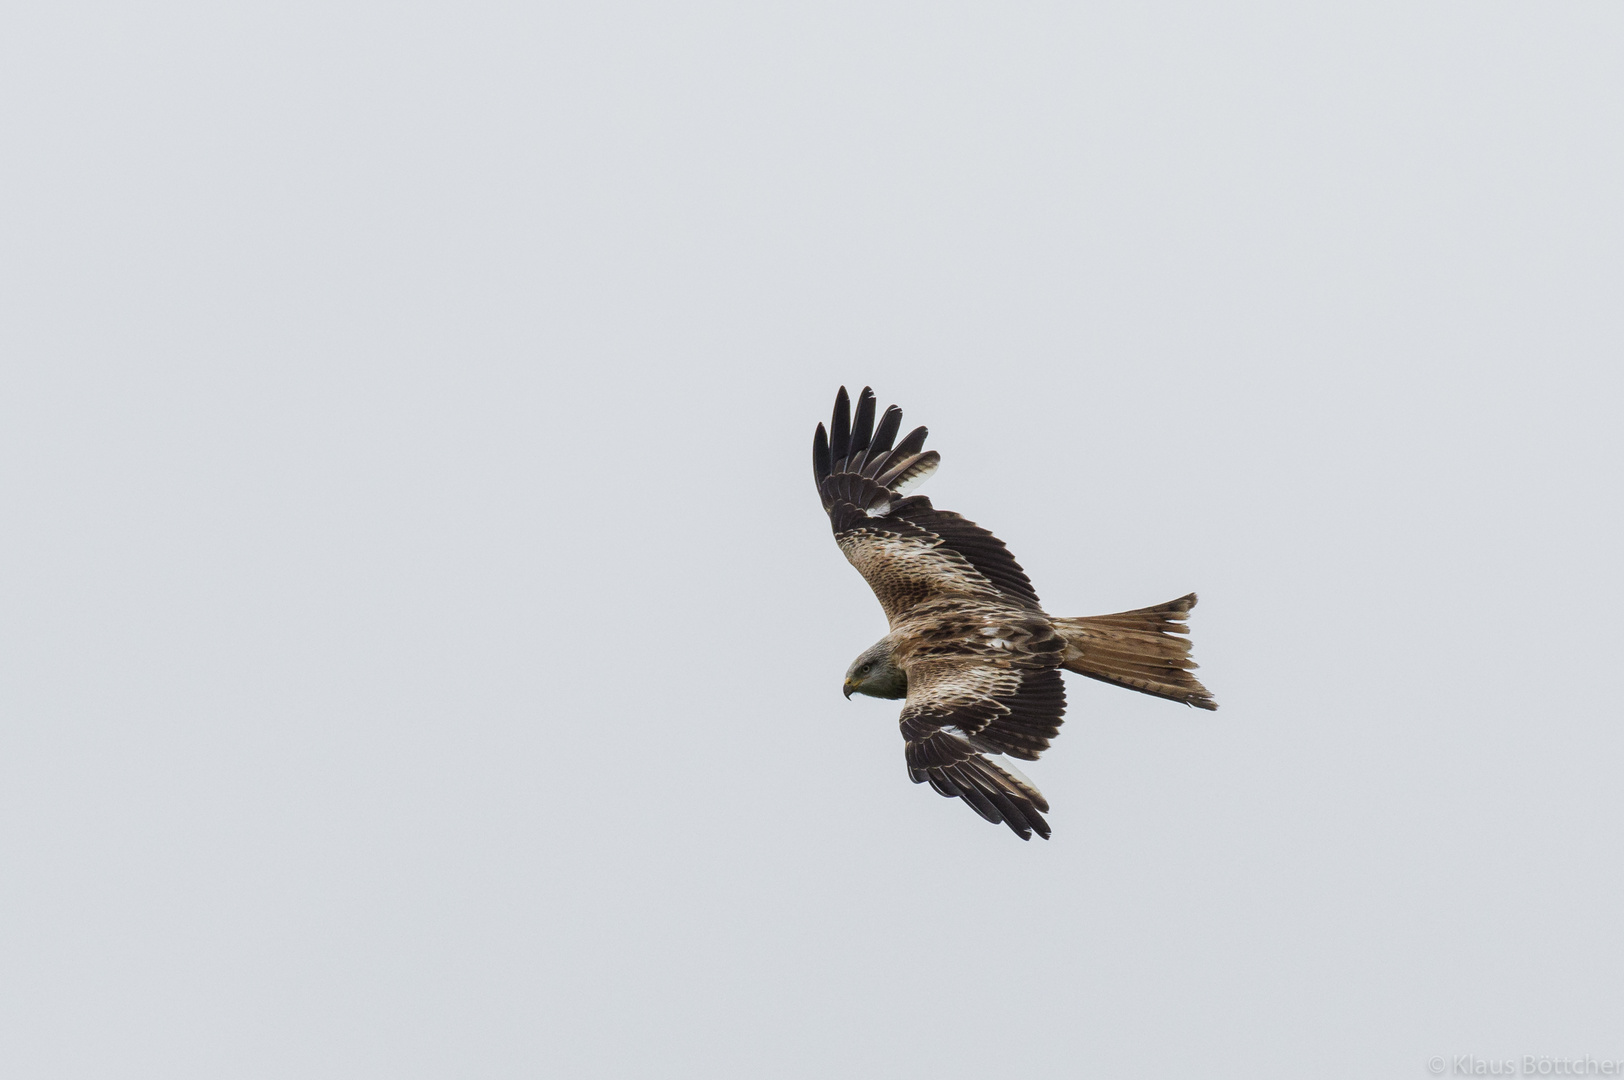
point(864, 669)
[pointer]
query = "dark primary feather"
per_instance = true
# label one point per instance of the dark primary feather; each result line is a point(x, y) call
point(840, 428)
point(862, 428)
point(911, 444)
point(953, 768)
point(880, 445)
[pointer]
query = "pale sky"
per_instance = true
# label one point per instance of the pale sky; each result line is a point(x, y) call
point(422, 643)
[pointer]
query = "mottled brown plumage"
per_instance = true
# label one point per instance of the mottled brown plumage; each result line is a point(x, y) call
point(970, 645)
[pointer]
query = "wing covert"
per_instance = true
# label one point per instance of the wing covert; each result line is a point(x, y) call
point(1003, 710)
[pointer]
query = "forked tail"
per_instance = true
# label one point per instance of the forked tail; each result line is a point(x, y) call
point(1142, 650)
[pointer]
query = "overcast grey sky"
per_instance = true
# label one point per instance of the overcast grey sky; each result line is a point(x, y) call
point(422, 642)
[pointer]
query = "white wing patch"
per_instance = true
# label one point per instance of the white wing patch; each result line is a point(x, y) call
point(1003, 763)
point(914, 477)
point(996, 633)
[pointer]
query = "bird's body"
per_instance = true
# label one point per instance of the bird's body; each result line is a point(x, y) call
point(970, 648)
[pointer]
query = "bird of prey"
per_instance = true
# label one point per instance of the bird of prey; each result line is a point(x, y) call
point(971, 652)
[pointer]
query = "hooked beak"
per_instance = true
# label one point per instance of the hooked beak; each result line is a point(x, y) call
point(848, 688)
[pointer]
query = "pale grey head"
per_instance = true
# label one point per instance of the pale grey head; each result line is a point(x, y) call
point(874, 674)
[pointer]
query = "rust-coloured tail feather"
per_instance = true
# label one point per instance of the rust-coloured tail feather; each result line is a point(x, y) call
point(1138, 650)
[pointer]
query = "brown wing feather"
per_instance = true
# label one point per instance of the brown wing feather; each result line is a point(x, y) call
point(906, 549)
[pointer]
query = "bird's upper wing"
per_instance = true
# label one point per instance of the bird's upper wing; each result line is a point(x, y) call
point(961, 710)
point(906, 549)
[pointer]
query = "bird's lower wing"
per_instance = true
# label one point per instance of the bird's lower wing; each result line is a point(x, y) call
point(962, 715)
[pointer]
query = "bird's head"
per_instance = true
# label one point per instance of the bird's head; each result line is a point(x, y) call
point(874, 674)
